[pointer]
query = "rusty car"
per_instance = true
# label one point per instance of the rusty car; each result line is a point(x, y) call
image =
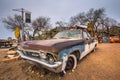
point(62, 52)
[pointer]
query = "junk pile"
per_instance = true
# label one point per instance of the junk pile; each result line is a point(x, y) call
point(11, 55)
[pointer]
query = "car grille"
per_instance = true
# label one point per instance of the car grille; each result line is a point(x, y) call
point(37, 55)
point(32, 54)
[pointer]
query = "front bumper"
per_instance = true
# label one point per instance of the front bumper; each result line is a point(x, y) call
point(56, 67)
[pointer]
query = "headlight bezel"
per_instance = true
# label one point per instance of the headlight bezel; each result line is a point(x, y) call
point(50, 58)
point(19, 48)
point(43, 55)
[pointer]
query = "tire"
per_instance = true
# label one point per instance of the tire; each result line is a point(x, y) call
point(93, 50)
point(62, 73)
point(71, 63)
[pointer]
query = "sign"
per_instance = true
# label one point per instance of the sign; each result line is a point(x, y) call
point(90, 26)
point(27, 17)
point(17, 32)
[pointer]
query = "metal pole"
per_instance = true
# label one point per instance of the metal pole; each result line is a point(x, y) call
point(22, 12)
point(22, 15)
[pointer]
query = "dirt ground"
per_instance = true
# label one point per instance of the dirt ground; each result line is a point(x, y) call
point(103, 64)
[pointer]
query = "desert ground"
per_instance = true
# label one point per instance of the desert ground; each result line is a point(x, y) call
point(103, 64)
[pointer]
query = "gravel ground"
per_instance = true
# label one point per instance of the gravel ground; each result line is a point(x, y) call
point(103, 64)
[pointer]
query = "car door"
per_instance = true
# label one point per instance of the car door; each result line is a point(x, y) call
point(92, 42)
point(87, 40)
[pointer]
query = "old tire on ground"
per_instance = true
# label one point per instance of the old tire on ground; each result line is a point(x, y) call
point(71, 63)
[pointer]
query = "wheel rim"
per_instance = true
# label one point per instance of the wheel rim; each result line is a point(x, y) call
point(70, 63)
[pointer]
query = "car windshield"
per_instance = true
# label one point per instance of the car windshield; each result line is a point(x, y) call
point(69, 34)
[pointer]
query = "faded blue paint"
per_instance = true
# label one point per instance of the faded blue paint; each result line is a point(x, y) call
point(68, 51)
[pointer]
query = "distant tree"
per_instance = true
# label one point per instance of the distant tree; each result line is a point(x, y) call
point(61, 25)
point(10, 38)
point(92, 16)
point(105, 24)
point(115, 31)
point(108, 23)
point(13, 22)
point(40, 24)
point(79, 19)
point(49, 34)
point(16, 21)
point(54, 31)
point(97, 16)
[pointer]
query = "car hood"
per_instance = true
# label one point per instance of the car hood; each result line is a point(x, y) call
point(53, 45)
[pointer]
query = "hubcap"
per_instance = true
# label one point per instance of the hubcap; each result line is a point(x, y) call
point(70, 63)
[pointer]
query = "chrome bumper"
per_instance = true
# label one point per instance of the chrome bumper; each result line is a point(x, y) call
point(56, 67)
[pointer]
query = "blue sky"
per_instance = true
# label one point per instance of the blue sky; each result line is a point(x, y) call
point(57, 10)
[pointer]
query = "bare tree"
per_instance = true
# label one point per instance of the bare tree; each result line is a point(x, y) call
point(13, 22)
point(79, 19)
point(16, 21)
point(61, 25)
point(92, 16)
point(40, 24)
point(108, 23)
point(98, 16)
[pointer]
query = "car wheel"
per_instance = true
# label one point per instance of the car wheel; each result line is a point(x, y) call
point(93, 50)
point(71, 63)
point(62, 73)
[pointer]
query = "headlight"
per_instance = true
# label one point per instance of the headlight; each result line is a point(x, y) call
point(20, 48)
point(50, 59)
point(42, 55)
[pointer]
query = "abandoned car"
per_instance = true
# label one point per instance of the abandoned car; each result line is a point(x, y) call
point(62, 52)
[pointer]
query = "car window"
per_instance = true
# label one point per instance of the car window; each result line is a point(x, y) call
point(72, 34)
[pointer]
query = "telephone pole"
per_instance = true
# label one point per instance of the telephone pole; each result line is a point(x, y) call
point(22, 12)
point(22, 15)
